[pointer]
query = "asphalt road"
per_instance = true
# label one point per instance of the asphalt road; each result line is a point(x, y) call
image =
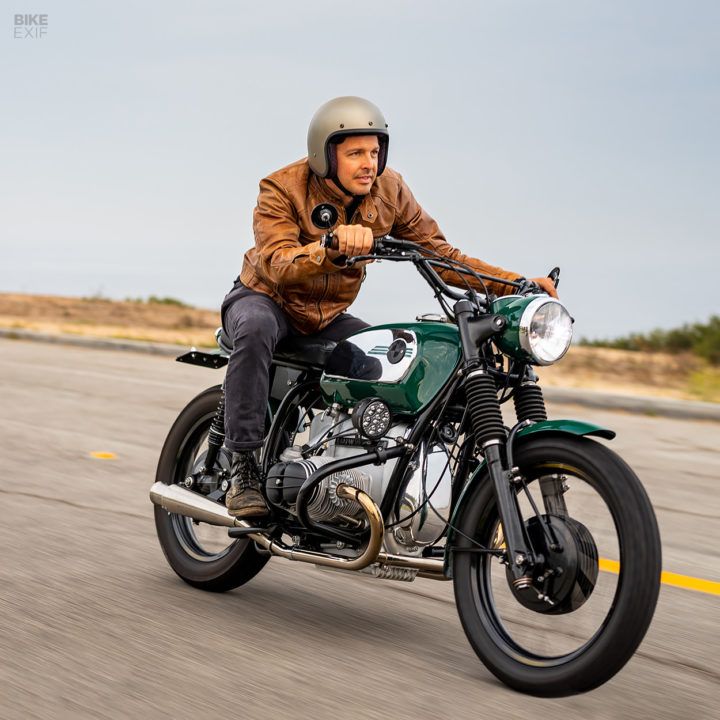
point(94, 624)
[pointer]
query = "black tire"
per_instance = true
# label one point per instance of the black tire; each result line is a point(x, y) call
point(630, 603)
point(214, 572)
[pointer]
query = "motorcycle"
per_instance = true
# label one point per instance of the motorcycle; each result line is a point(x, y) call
point(388, 454)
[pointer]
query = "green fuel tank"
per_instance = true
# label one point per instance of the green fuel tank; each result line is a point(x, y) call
point(404, 364)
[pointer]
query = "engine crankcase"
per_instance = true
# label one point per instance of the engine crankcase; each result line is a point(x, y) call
point(427, 497)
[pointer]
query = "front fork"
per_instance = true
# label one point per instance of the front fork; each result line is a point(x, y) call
point(491, 437)
point(520, 554)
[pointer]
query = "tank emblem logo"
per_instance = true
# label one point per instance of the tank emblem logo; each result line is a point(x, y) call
point(397, 350)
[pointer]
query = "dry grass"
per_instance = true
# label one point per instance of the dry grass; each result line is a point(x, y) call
point(682, 376)
point(97, 317)
point(619, 371)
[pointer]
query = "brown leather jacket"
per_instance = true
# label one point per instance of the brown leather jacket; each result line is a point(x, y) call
point(288, 263)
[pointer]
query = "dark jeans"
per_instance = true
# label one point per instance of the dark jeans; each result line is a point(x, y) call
point(256, 324)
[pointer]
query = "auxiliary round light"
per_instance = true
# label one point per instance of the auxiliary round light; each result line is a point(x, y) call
point(372, 417)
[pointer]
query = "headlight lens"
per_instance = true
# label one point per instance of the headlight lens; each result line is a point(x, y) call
point(546, 330)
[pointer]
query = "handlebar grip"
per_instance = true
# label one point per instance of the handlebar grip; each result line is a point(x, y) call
point(384, 242)
point(329, 241)
point(387, 242)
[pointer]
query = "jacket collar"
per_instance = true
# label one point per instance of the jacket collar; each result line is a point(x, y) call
point(366, 208)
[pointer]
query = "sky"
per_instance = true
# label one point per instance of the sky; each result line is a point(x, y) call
point(538, 133)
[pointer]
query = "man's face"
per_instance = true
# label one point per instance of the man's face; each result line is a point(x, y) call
point(357, 163)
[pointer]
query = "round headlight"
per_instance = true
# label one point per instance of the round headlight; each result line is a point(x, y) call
point(545, 330)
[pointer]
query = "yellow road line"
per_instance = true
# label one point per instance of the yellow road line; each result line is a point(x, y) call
point(686, 582)
point(103, 455)
point(611, 566)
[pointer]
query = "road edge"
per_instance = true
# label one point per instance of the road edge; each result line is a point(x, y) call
point(662, 407)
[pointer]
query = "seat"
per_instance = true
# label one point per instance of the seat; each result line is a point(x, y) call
point(299, 349)
point(305, 350)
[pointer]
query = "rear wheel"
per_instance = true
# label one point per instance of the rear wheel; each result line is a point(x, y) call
point(590, 603)
point(202, 555)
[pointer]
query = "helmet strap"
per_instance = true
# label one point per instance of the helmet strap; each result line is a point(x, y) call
point(343, 189)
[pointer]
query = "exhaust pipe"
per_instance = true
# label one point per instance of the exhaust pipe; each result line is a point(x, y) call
point(179, 500)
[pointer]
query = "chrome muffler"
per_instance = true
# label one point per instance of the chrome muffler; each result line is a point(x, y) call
point(178, 500)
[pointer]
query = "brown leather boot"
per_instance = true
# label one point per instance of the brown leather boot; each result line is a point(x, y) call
point(244, 499)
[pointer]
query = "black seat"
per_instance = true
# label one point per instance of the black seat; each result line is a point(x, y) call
point(300, 349)
point(305, 350)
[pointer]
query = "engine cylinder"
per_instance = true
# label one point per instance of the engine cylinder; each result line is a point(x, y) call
point(326, 506)
point(286, 478)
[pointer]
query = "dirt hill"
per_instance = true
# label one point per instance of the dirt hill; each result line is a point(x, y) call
point(162, 320)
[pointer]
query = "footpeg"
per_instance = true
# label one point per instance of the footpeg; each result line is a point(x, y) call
point(239, 532)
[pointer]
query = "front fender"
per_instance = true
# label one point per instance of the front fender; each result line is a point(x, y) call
point(560, 427)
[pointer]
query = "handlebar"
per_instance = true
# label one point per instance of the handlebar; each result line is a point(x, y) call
point(384, 246)
point(392, 248)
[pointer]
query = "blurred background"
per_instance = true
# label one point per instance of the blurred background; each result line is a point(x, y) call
point(579, 134)
point(538, 133)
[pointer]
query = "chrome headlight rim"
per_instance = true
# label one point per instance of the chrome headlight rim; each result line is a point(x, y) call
point(524, 328)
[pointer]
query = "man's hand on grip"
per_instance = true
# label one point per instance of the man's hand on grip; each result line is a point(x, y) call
point(546, 284)
point(353, 240)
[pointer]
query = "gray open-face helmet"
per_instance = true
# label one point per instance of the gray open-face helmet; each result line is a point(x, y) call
point(337, 119)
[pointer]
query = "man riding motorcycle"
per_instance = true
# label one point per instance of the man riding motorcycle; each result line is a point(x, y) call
point(290, 284)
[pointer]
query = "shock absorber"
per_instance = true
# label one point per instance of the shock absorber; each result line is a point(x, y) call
point(529, 403)
point(216, 434)
point(484, 408)
point(490, 435)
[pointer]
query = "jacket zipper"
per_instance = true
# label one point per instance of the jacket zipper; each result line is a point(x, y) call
point(326, 283)
point(364, 270)
point(326, 277)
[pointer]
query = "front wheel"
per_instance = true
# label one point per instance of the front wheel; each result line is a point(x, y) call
point(589, 604)
point(201, 554)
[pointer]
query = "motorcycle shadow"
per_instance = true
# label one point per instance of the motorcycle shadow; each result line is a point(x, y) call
point(338, 610)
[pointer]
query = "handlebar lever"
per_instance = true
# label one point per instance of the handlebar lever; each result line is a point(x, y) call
point(359, 258)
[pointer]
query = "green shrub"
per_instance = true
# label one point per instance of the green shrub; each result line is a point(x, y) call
point(155, 300)
point(166, 301)
point(702, 339)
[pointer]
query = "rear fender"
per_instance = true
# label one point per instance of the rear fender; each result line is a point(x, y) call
point(216, 359)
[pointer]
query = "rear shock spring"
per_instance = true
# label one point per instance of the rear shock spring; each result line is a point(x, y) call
point(529, 403)
point(216, 434)
point(484, 408)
